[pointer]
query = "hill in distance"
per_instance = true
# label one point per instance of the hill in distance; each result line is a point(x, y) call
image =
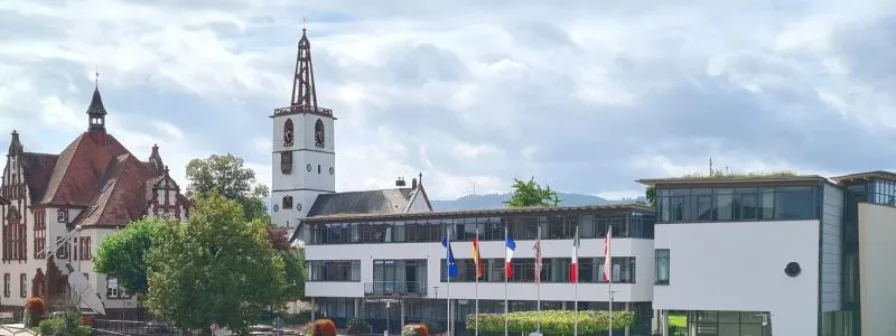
point(491, 201)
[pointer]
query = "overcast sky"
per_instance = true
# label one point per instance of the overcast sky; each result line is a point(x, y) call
point(587, 96)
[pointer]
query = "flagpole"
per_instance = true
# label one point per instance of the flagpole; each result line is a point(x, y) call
point(575, 330)
point(478, 261)
point(506, 310)
point(608, 271)
point(448, 277)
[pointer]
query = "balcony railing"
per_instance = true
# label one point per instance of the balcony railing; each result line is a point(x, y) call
point(395, 288)
point(303, 109)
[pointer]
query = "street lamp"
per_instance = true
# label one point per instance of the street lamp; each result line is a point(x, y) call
point(76, 281)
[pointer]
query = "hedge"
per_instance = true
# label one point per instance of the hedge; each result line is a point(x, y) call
point(553, 322)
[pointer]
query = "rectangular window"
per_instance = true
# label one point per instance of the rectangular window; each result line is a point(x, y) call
point(724, 204)
point(23, 285)
point(286, 162)
point(662, 266)
point(334, 270)
point(6, 284)
point(737, 204)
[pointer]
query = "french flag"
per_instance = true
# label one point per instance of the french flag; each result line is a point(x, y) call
point(510, 245)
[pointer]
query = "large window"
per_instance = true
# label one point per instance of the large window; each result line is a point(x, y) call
point(334, 270)
point(661, 265)
point(521, 227)
point(553, 270)
point(737, 204)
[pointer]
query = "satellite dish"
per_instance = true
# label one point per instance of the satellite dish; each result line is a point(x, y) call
point(84, 291)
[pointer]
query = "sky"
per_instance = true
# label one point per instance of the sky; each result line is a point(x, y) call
point(586, 96)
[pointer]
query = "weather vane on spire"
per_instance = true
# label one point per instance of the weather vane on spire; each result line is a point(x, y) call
point(96, 76)
point(304, 22)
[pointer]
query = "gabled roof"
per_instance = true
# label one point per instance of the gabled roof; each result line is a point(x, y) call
point(374, 202)
point(79, 169)
point(38, 168)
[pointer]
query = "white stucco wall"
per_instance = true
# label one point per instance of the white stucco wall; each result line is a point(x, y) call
point(739, 266)
point(877, 229)
point(302, 184)
point(641, 249)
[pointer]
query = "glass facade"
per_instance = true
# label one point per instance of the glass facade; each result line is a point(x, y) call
point(334, 270)
point(730, 323)
point(688, 205)
point(553, 270)
point(522, 227)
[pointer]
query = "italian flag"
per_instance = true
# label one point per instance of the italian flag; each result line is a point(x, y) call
point(574, 265)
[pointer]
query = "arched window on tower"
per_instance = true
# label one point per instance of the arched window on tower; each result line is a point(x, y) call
point(288, 133)
point(287, 202)
point(319, 137)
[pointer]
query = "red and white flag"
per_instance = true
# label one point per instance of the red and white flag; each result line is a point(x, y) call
point(574, 265)
point(537, 249)
point(608, 254)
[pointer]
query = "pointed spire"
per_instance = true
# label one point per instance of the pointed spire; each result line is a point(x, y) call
point(15, 145)
point(156, 160)
point(303, 91)
point(96, 112)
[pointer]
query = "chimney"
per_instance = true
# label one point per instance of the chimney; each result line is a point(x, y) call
point(414, 183)
point(400, 182)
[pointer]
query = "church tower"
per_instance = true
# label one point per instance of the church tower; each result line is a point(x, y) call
point(304, 157)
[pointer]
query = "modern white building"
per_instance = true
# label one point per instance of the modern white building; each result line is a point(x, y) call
point(358, 263)
point(786, 255)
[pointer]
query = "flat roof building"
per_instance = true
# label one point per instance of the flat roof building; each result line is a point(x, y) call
point(777, 255)
point(358, 263)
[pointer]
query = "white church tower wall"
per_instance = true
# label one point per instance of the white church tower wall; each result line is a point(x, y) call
point(304, 152)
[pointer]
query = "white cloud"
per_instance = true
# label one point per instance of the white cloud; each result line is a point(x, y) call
point(588, 96)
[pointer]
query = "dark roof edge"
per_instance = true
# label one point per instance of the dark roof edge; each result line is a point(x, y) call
point(3, 201)
point(482, 212)
point(731, 180)
point(883, 174)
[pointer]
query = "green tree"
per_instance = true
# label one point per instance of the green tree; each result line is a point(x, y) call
point(123, 253)
point(225, 175)
point(650, 194)
point(215, 269)
point(531, 194)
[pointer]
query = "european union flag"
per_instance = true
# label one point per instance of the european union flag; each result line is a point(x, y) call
point(452, 264)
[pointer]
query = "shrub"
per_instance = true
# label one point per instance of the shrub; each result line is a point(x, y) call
point(357, 326)
point(321, 327)
point(68, 324)
point(436, 327)
point(34, 311)
point(417, 329)
point(553, 322)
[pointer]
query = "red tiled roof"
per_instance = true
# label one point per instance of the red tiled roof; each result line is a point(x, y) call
point(95, 172)
point(38, 169)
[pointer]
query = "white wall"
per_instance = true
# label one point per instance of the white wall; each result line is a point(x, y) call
point(641, 249)
point(304, 153)
point(739, 266)
point(877, 227)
